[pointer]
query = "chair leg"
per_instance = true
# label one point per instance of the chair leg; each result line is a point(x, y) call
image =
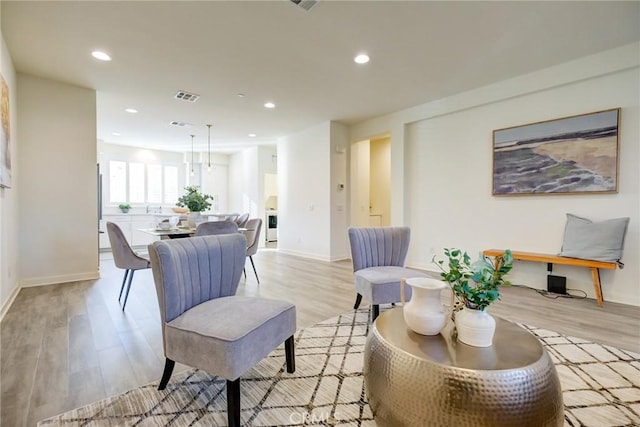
point(290, 355)
point(233, 402)
point(168, 370)
point(254, 268)
point(126, 295)
point(124, 280)
point(358, 301)
point(375, 311)
point(244, 271)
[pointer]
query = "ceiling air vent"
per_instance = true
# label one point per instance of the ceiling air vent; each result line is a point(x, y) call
point(178, 124)
point(186, 96)
point(305, 4)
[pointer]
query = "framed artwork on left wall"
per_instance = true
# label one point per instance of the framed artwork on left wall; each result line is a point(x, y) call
point(5, 135)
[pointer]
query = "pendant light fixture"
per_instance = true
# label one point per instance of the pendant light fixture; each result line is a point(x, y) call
point(209, 143)
point(192, 136)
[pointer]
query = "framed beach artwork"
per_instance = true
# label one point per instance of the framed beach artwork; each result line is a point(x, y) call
point(571, 155)
point(5, 135)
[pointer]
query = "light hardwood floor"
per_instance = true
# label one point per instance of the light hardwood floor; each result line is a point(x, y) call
point(67, 345)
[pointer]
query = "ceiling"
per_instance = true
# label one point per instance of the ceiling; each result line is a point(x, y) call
point(301, 60)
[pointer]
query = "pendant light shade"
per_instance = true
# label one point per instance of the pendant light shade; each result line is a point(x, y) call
point(192, 136)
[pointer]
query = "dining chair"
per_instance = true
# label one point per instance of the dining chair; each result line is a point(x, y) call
point(253, 226)
point(378, 255)
point(216, 227)
point(124, 257)
point(242, 220)
point(205, 324)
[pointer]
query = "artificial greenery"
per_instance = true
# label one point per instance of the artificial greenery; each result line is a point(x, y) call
point(124, 207)
point(475, 285)
point(194, 200)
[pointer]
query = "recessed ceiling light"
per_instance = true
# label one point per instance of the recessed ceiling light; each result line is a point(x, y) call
point(131, 110)
point(241, 95)
point(115, 134)
point(100, 55)
point(270, 105)
point(252, 135)
point(361, 59)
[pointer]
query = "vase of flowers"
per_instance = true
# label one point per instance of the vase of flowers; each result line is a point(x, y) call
point(476, 286)
point(196, 202)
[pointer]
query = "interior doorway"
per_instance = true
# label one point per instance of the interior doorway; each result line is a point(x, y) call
point(271, 210)
point(371, 182)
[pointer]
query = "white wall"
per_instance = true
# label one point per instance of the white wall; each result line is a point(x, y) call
point(339, 208)
point(359, 183)
point(447, 169)
point(9, 217)
point(313, 212)
point(304, 188)
point(58, 231)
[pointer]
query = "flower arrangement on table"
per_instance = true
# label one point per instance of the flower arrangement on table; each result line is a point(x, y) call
point(194, 200)
point(476, 284)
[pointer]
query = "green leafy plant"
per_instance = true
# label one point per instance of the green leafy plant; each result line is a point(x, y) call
point(124, 207)
point(194, 200)
point(475, 284)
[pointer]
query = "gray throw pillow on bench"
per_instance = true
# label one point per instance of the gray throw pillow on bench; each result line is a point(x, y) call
point(600, 241)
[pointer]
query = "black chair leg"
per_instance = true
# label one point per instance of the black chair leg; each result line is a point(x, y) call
point(124, 280)
point(375, 311)
point(254, 268)
point(244, 271)
point(358, 301)
point(168, 370)
point(290, 355)
point(233, 403)
point(126, 295)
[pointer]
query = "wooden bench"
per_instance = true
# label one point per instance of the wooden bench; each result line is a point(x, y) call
point(594, 266)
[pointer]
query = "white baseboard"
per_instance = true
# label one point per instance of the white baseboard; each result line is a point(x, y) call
point(7, 305)
point(304, 255)
point(63, 278)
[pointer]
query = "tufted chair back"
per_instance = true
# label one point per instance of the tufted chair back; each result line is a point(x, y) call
point(378, 246)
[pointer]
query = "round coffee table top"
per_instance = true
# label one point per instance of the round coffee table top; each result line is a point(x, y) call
point(513, 347)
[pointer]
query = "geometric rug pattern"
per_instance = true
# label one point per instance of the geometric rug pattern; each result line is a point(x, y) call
point(600, 384)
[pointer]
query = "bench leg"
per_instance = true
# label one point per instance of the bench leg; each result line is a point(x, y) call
point(595, 274)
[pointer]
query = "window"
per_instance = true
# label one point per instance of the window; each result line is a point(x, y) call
point(154, 183)
point(117, 182)
point(135, 182)
point(170, 184)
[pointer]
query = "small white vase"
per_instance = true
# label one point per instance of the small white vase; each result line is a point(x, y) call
point(475, 327)
point(192, 219)
point(424, 313)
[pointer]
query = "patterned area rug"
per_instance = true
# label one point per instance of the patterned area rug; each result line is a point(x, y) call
point(601, 386)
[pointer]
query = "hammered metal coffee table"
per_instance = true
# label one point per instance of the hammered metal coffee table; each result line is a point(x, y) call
point(417, 380)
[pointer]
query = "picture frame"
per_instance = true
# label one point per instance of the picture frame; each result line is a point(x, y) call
point(5, 135)
point(570, 155)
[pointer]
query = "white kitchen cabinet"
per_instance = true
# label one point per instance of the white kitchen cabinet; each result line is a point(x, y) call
point(140, 238)
point(129, 224)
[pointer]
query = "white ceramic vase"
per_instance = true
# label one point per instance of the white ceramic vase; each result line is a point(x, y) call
point(192, 219)
point(475, 327)
point(424, 313)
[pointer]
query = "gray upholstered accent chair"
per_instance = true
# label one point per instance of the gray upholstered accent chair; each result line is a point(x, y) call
point(252, 234)
point(124, 257)
point(242, 220)
point(204, 324)
point(378, 255)
point(216, 227)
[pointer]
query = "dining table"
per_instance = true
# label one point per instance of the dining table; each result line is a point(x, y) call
point(178, 232)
